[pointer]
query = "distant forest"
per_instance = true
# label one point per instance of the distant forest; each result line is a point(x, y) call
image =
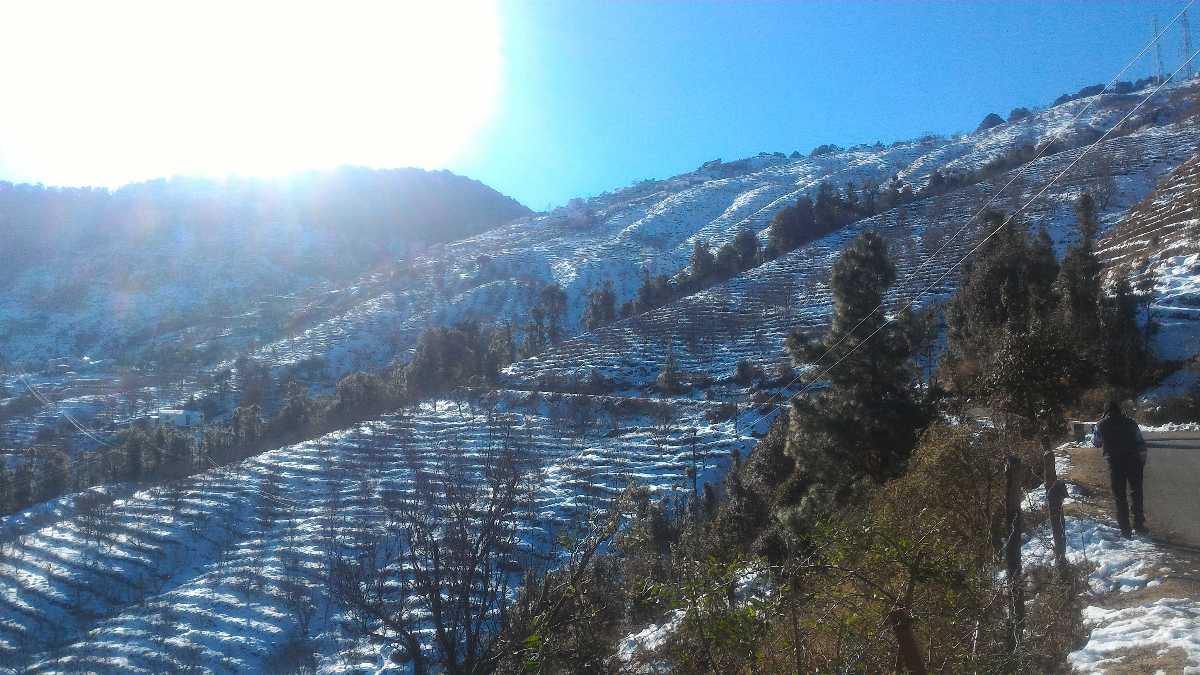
point(344, 207)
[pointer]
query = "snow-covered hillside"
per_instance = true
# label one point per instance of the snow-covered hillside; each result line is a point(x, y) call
point(187, 574)
point(618, 237)
point(749, 316)
point(1157, 244)
point(652, 227)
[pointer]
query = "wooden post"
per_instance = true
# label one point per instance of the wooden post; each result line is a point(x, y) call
point(909, 659)
point(1012, 550)
point(695, 466)
point(1056, 492)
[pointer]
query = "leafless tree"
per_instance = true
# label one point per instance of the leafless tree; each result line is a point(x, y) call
point(1101, 183)
point(664, 420)
point(294, 587)
point(445, 561)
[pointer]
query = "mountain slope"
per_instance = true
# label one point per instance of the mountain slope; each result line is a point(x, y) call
point(104, 273)
point(1157, 245)
point(749, 316)
point(101, 589)
point(652, 227)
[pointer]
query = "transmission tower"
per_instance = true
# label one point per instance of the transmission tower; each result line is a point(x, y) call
point(1162, 72)
point(1187, 45)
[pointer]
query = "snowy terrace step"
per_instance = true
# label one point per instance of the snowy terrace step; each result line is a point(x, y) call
point(188, 549)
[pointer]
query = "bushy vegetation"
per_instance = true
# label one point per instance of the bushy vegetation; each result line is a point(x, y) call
point(1027, 335)
point(875, 536)
point(792, 226)
point(860, 535)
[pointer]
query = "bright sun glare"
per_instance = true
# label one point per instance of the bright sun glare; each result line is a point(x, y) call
point(106, 93)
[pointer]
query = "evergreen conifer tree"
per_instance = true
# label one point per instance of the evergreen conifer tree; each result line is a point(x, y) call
point(704, 264)
point(1079, 283)
point(1004, 288)
point(22, 490)
point(55, 474)
point(6, 487)
point(1126, 354)
point(728, 263)
point(670, 378)
point(553, 303)
point(746, 245)
point(866, 423)
point(601, 307)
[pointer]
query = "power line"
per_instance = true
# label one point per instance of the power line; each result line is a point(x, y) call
point(1187, 44)
point(1158, 51)
point(993, 233)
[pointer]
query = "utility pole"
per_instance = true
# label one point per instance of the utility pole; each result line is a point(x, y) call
point(1162, 72)
point(1187, 46)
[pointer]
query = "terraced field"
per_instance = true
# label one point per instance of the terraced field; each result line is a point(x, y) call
point(196, 572)
point(1157, 245)
point(749, 316)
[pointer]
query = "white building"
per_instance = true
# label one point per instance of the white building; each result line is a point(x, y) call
point(178, 418)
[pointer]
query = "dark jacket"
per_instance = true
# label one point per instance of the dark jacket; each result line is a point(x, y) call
point(1119, 436)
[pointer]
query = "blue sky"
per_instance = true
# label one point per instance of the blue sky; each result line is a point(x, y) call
point(596, 95)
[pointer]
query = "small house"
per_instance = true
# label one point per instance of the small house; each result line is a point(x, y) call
point(179, 418)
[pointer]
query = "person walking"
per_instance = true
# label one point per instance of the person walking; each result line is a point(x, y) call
point(1123, 446)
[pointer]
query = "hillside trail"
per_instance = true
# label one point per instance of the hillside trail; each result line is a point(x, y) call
point(1169, 583)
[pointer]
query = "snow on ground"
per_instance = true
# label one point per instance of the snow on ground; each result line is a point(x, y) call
point(1177, 307)
point(1118, 565)
point(648, 227)
point(1121, 565)
point(750, 315)
point(1166, 624)
point(173, 576)
point(76, 591)
point(648, 640)
point(1171, 426)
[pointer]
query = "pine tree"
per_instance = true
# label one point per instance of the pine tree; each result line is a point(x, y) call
point(6, 486)
point(1126, 354)
point(746, 245)
point(728, 263)
point(1079, 283)
point(865, 424)
point(135, 466)
point(1042, 271)
point(704, 264)
point(791, 227)
point(601, 307)
point(55, 474)
point(670, 378)
point(553, 303)
point(536, 339)
point(501, 350)
point(827, 208)
point(1003, 289)
point(22, 490)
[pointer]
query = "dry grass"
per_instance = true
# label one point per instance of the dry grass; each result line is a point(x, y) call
point(1089, 471)
point(1148, 659)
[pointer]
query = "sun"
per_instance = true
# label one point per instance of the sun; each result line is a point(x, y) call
point(107, 93)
